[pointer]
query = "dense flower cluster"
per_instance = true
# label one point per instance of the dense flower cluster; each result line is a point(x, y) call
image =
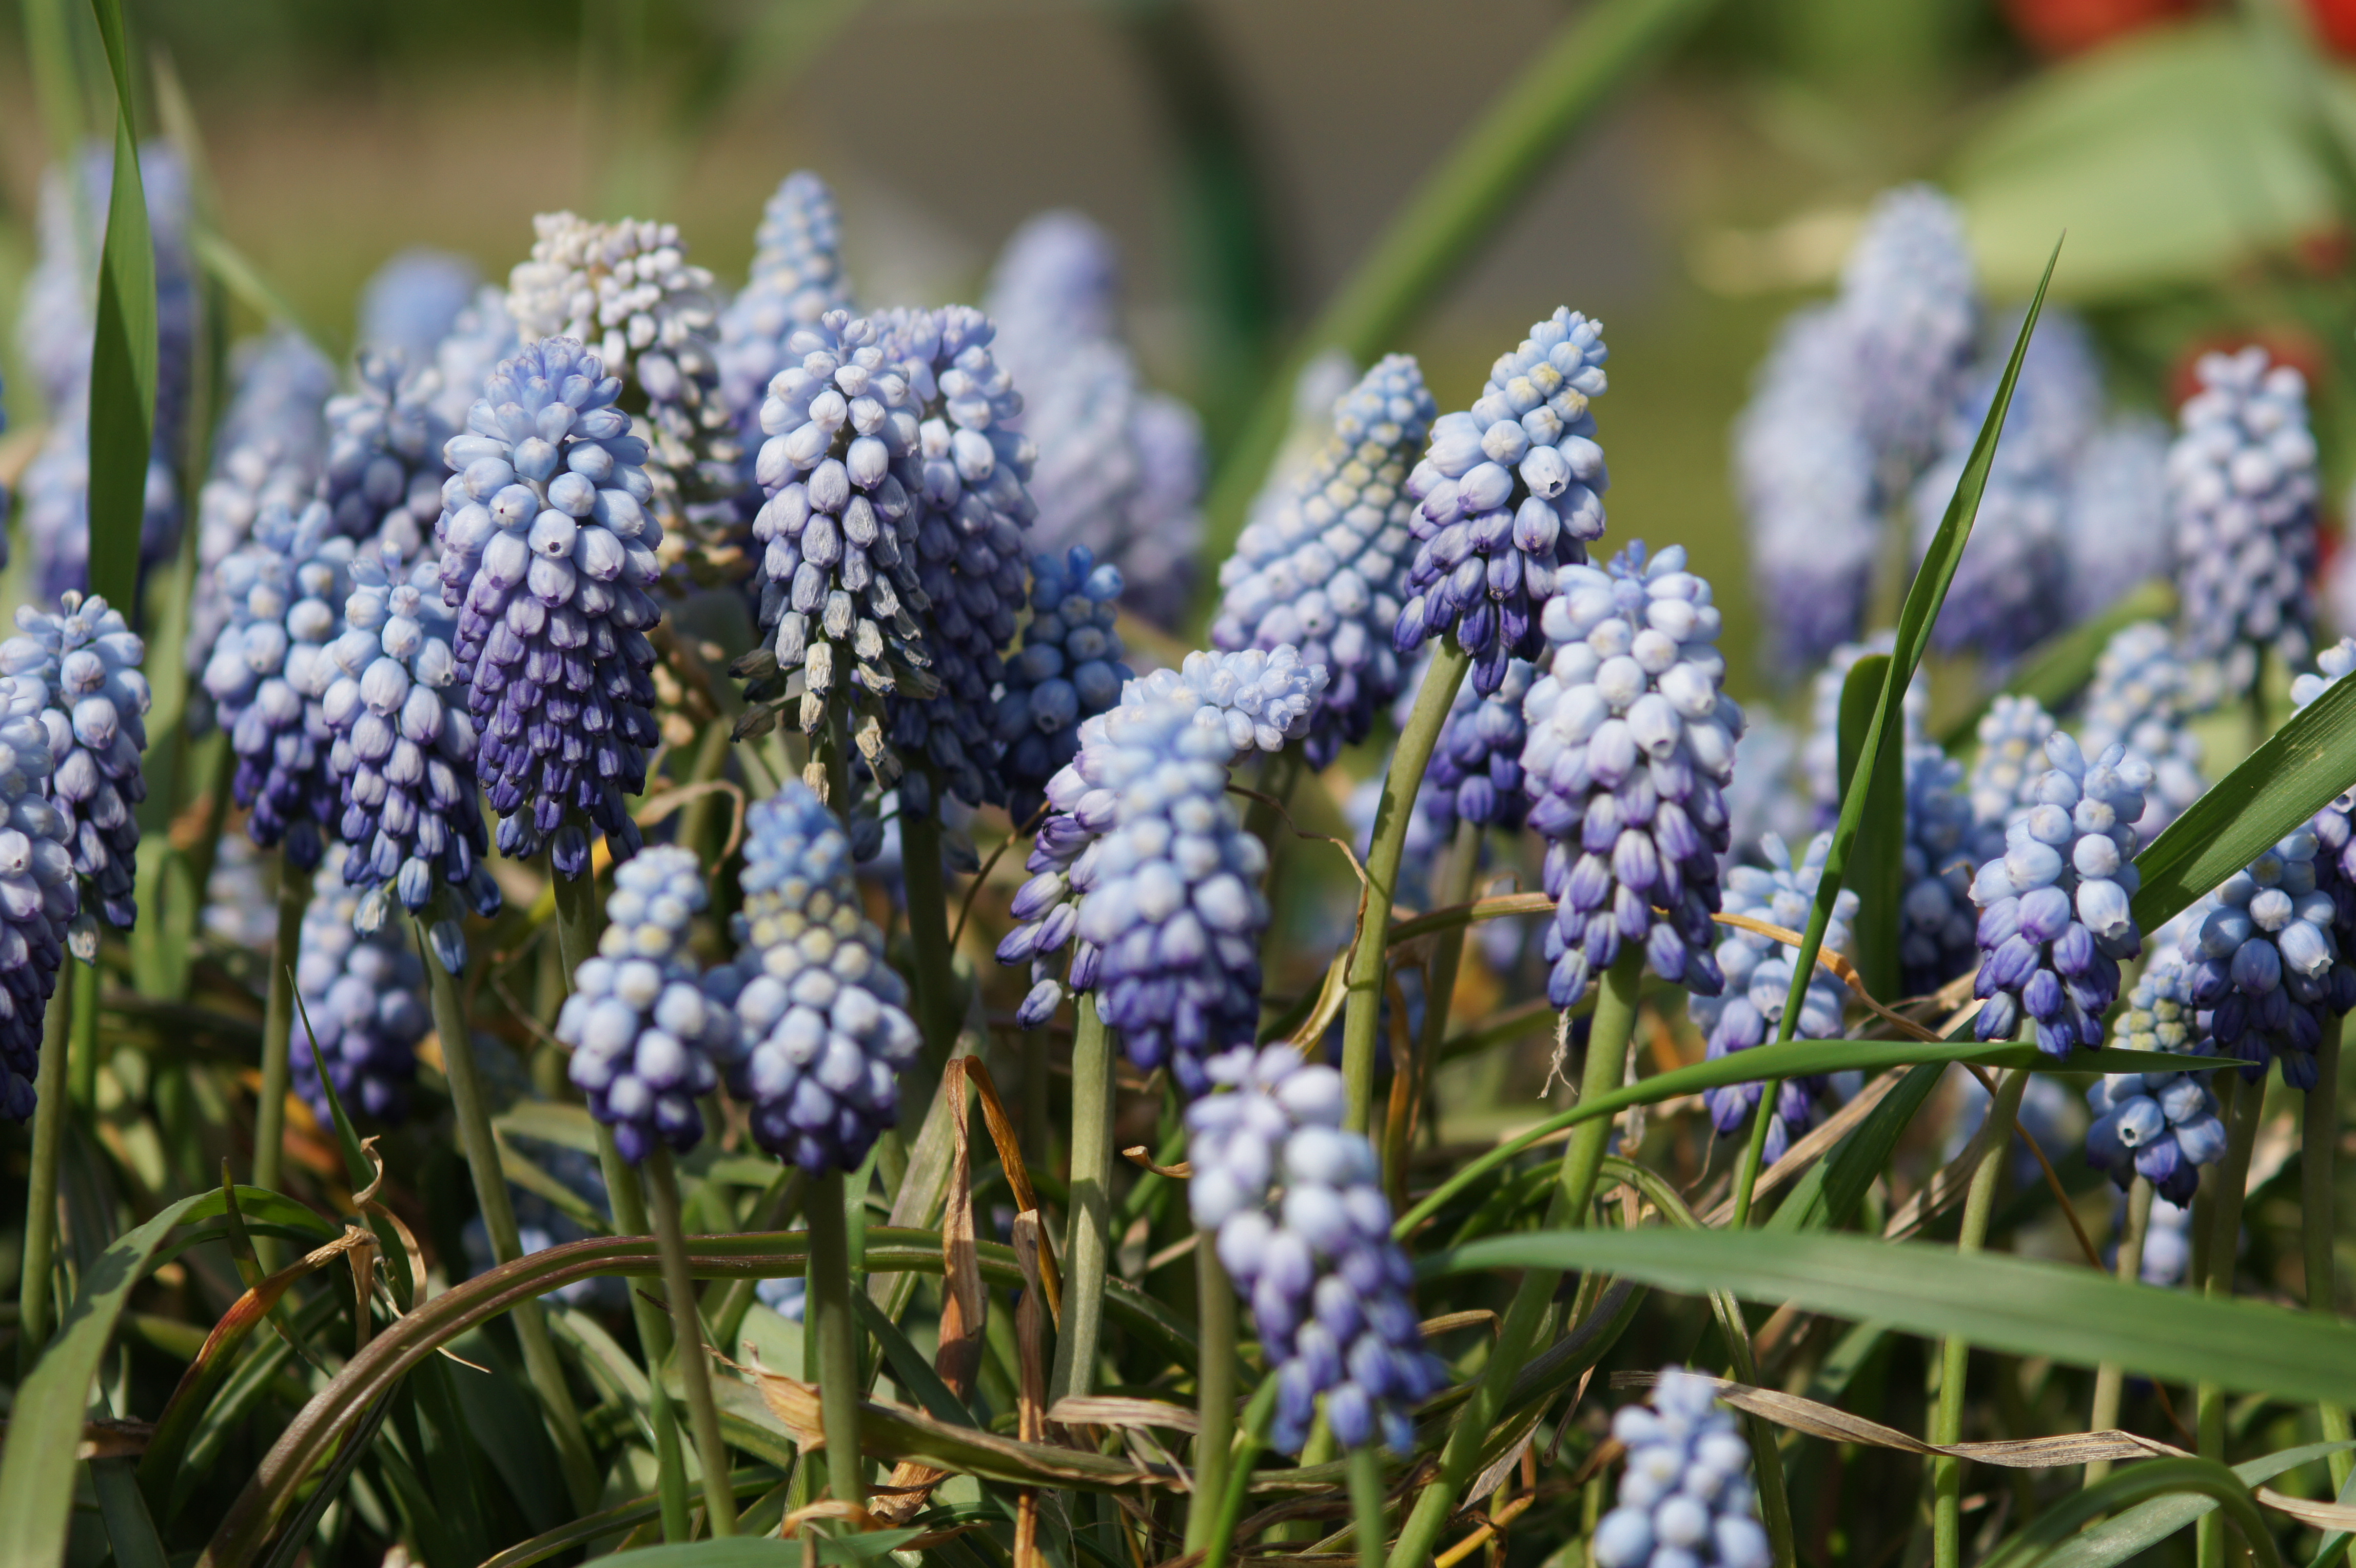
point(404, 749)
point(83, 662)
point(384, 452)
point(2054, 920)
point(1631, 741)
point(2116, 533)
point(2335, 825)
point(1509, 493)
point(1758, 971)
point(1910, 305)
point(1475, 774)
point(2012, 735)
point(2143, 696)
point(363, 1008)
point(2262, 962)
point(547, 554)
point(54, 519)
point(1305, 1232)
point(1322, 571)
point(37, 899)
point(1937, 932)
point(2241, 497)
point(1687, 1499)
point(411, 302)
point(483, 334)
point(284, 591)
point(648, 1038)
point(1120, 468)
point(2161, 1126)
point(1069, 670)
point(825, 1020)
point(797, 277)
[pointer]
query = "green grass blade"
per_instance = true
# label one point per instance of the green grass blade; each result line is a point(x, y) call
point(1825, 1198)
point(1877, 865)
point(2149, 1478)
point(2299, 771)
point(2147, 1524)
point(128, 1525)
point(2067, 1312)
point(123, 353)
point(909, 1368)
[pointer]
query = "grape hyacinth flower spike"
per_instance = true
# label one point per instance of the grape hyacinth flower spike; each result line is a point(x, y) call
point(1687, 1499)
point(1937, 939)
point(2054, 917)
point(412, 302)
point(797, 277)
point(2241, 497)
point(1631, 743)
point(1758, 971)
point(1301, 1225)
point(37, 896)
point(384, 452)
point(1475, 773)
point(363, 1008)
point(1510, 493)
point(285, 593)
point(1069, 670)
point(2335, 825)
point(2161, 1126)
point(2144, 696)
point(649, 1037)
point(547, 555)
point(403, 750)
point(1324, 571)
point(826, 1026)
point(2004, 771)
point(2262, 962)
point(83, 660)
point(1910, 302)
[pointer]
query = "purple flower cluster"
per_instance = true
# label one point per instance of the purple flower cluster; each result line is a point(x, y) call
point(2242, 496)
point(1510, 493)
point(1475, 774)
point(1305, 1232)
point(384, 452)
point(2161, 1126)
point(1322, 571)
point(1937, 933)
point(649, 1035)
point(1631, 742)
point(363, 1000)
point(797, 277)
point(2144, 696)
point(37, 900)
point(548, 555)
point(410, 304)
point(1687, 1499)
point(2262, 962)
point(1069, 670)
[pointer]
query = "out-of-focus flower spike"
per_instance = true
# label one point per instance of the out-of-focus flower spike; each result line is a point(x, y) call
point(1909, 297)
point(364, 998)
point(412, 302)
point(797, 277)
point(2115, 535)
point(1068, 670)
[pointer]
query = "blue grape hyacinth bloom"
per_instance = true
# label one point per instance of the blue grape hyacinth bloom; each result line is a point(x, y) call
point(2262, 962)
point(1631, 742)
point(2242, 495)
point(1296, 1204)
point(1937, 934)
point(649, 1035)
point(84, 661)
point(1686, 1498)
point(1324, 571)
point(2054, 916)
point(1910, 302)
point(2005, 770)
point(363, 1008)
point(825, 1019)
point(2161, 1126)
point(2115, 536)
point(1475, 773)
point(285, 593)
point(412, 302)
point(548, 556)
point(797, 277)
point(483, 334)
point(1758, 971)
point(1068, 670)
point(2144, 696)
point(2334, 829)
point(385, 438)
point(403, 750)
point(37, 895)
point(1509, 493)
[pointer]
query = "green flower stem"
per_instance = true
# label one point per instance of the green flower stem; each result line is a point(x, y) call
point(827, 1320)
point(83, 1034)
point(1254, 1436)
point(928, 935)
point(687, 1331)
point(695, 817)
point(2318, 1141)
point(1955, 1353)
point(1532, 1306)
point(579, 920)
point(35, 1294)
point(1088, 1226)
point(482, 1155)
point(1369, 957)
point(2110, 1378)
point(1366, 1503)
point(1462, 872)
point(278, 1025)
point(778, 1203)
point(1214, 1393)
point(1754, 1153)
point(2245, 1112)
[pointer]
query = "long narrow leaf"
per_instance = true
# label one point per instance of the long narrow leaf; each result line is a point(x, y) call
point(1878, 868)
point(123, 353)
point(1825, 1198)
point(2148, 1524)
point(2065, 1311)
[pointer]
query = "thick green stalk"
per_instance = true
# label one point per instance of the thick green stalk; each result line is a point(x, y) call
point(686, 1334)
point(1214, 1393)
point(827, 1320)
point(1253, 1435)
point(2247, 1110)
point(2110, 1378)
point(695, 817)
point(482, 1155)
point(1088, 1227)
point(1754, 1153)
point(1366, 1503)
point(1582, 1156)
point(2318, 1141)
point(50, 1110)
point(1954, 1354)
point(82, 1051)
point(278, 1025)
point(928, 935)
point(1369, 958)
